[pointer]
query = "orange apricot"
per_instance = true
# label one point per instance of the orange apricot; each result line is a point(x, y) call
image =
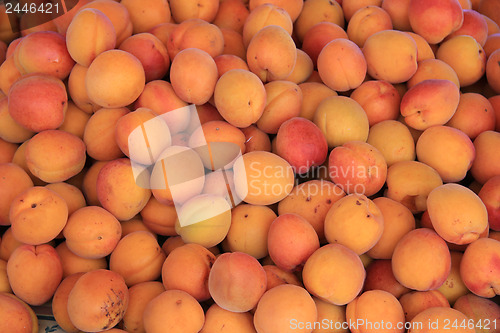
point(433, 69)
point(218, 318)
point(59, 303)
point(417, 249)
point(366, 21)
point(184, 10)
point(41, 209)
point(229, 90)
point(231, 15)
point(346, 70)
point(313, 93)
point(14, 181)
point(72, 263)
point(92, 232)
point(144, 15)
point(137, 258)
point(308, 17)
point(486, 163)
point(318, 36)
point(264, 15)
point(139, 296)
point(415, 302)
point(114, 79)
point(34, 273)
point(77, 90)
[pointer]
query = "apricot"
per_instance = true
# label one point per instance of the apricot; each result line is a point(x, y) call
point(398, 11)
point(334, 273)
point(433, 69)
point(151, 52)
point(98, 300)
point(204, 219)
point(256, 139)
point(262, 178)
point(34, 273)
point(70, 193)
point(454, 287)
point(16, 316)
point(294, 141)
point(37, 208)
point(429, 320)
point(193, 75)
point(159, 218)
point(226, 62)
point(478, 310)
point(231, 15)
point(13, 182)
point(84, 47)
point(277, 276)
point(38, 102)
point(139, 296)
point(187, 35)
point(486, 164)
point(318, 36)
point(491, 45)
point(347, 114)
point(379, 276)
point(236, 281)
point(430, 102)
point(473, 25)
point(375, 306)
point(313, 93)
point(137, 134)
point(357, 167)
point(390, 55)
point(177, 176)
point(240, 112)
point(312, 200)
point(303, 68)
point(446, 149)
point(187, 268)
point(89, 184)
point(449, 13)
point(7, 151)
point(354, 221)
point(117, 13)
point(184, 10)
point(144, 15)
point(489, 195)
point(75, 120)
point(233, 43)
point(492, 71)
point(417, 249)
point(249, 229)
point(379, 99)
point(283, 103)
point(162, 31)
point(174, 310)
point(393, 140)
point(366, 21)
point(10, 130)
point(283, 308)
point(159, 96)
point(271, 54)
point(118, 191)
point(55, 156)
point(346, 70)
point(264, 15)
point(137, 258)
point(99, 134)
point(479, 269)
point(424, 50)
point(114, 79)
point(72, 263)
point(308, 17)
point(293, 8)
point(92, 232)
point(291, 252)
point(417, 301)
point(398, 221)
point(8, 244)
point(44, 52)
point(77, 90)
point(472, 64)
point(10, 74)
point(59, 302)
point(218, 318)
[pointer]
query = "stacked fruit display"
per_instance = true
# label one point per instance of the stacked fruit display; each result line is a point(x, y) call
point(265, 166)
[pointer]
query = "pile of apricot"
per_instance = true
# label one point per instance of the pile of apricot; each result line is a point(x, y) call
point(242, 166)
